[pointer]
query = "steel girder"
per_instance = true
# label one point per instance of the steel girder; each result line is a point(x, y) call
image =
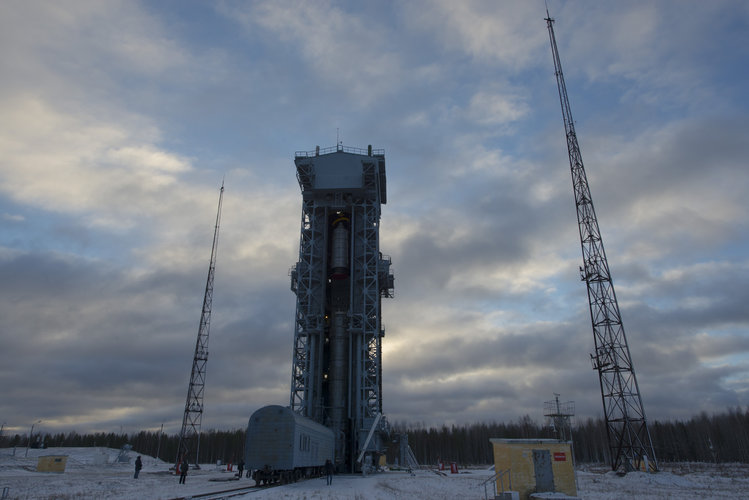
point(308, 280)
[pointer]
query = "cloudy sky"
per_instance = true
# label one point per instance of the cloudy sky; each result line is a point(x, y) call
point(121, 118)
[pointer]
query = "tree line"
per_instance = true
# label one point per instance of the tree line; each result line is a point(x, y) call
point(720, 437)
point(227, 446)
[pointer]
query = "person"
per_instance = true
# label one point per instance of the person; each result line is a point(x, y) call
point(329, 471)
point(138, 467)
point(240, 467)
point(183, 468)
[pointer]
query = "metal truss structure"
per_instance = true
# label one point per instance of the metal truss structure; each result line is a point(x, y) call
point(189, 436)
point(339, 281)
point(629, 438)
point(560, 415)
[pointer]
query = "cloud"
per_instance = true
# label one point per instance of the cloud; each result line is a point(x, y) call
point(488, 31)
point(13, 217)
point(495, 109)
point(655, 188)
point(81, 165)
point(344, 51)
point(655, 62)
point(73, 40)
point(124, 340)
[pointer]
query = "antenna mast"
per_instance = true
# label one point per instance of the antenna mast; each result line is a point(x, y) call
point(189, 436)
point(560, 415)
point(629, 438)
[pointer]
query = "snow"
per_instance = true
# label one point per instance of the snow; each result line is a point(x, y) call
point(681, 480)
point(93, 473)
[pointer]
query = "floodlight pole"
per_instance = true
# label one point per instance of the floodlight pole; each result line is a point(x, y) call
point(158, 446)
point(31, 433)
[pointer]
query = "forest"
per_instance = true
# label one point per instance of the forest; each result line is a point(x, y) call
point(720, 437)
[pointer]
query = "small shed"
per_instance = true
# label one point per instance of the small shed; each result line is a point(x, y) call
point(535, 466)
point(52, 463)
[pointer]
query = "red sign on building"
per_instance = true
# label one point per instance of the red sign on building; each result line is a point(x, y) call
point(560, 456)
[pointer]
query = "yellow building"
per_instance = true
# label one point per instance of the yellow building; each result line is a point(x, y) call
point(535, 466)
point(51, 463)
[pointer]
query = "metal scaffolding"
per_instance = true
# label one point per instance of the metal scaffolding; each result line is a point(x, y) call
point(339, 281)
point(560, 415)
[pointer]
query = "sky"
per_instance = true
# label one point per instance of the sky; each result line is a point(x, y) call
point(121, 119)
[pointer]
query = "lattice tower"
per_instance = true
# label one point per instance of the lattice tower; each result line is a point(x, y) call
point(560, 415)
point(629, 438)
point(189, 436)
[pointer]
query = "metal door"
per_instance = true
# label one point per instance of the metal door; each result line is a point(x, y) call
point(544, 473)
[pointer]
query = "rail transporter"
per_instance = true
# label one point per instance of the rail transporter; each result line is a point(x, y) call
point(282, 446)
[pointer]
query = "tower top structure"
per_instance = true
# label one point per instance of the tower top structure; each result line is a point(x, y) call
point(330, 170)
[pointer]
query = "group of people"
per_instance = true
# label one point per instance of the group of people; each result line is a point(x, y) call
point(182, 468)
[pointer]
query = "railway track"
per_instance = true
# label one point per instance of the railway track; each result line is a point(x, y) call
point(232, 492)
point(228, 493)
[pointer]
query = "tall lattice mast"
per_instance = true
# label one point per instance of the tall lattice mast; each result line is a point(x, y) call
point(189, 436)
point(626, 425)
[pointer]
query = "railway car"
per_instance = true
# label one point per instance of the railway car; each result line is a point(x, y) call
point(282, 446)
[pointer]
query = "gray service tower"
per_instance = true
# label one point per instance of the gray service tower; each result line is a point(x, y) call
point(339, 282)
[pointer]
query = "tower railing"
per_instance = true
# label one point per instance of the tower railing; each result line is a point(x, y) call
point(336, 149)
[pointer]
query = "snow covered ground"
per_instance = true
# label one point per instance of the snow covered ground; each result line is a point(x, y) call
point(93, 473)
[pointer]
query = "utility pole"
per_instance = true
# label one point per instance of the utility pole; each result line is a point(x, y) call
point(626, 425)
point(189, 436)
point(158, 446)
point(31, 433)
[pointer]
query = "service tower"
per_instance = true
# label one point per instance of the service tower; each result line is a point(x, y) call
point(339, 282)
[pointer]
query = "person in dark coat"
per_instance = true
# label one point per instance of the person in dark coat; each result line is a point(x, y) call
point(138, 467)
point(329, 471)
point(240, 467)
point(183, 468)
